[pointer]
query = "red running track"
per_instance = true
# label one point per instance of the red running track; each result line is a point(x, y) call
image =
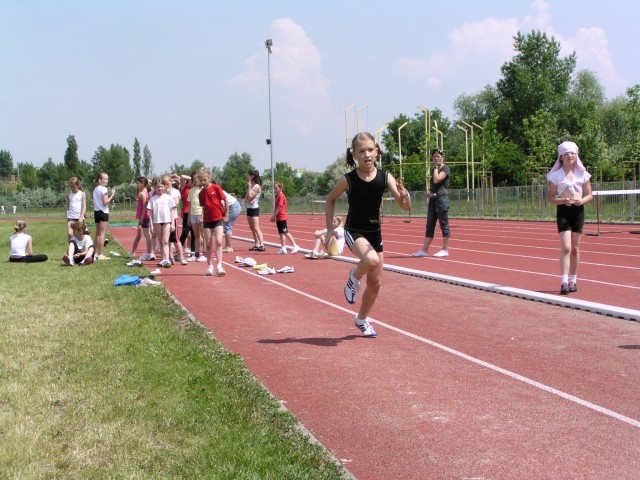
point(460, 383)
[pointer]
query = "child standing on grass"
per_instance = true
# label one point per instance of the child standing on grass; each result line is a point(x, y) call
point(364, 186)
point(195, 217)
point(80, 250)
point(101, 200)
point(280, 217)
point(142, 215)
point(173, 236)
point(215, 211)
point(77, 202)
point(162, 210)
point(21, 246)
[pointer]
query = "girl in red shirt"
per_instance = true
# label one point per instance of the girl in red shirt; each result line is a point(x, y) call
point(214, 213)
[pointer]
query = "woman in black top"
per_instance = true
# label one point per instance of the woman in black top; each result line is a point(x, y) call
point(364, 187)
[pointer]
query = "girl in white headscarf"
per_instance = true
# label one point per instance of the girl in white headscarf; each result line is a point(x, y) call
point(570, 190)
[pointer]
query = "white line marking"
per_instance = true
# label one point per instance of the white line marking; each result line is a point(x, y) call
point(508, 373)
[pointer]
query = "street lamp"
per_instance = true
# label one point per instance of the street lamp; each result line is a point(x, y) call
point(346, 123)
point(269, 43)
point(400, 146)
point(466, 148)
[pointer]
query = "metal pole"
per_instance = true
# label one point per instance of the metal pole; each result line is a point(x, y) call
point(400, 146)
point(466, 144)
point(473, 159)
point(269, 43)
point(346, 124)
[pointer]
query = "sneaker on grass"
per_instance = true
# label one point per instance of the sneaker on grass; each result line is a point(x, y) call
point(351, 288)
point(366, 328)
point(67, 260)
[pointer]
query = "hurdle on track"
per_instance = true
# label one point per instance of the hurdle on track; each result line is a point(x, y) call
point(600, 193)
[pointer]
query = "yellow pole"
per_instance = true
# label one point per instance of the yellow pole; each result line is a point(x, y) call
point(346, 123)
point(400, 146)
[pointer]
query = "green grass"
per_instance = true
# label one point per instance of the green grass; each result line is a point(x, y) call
point(108, 382)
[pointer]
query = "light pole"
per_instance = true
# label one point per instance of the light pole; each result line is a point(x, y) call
point(400, 146)
point(269, 43)
point(466, 149)
point(346, 123)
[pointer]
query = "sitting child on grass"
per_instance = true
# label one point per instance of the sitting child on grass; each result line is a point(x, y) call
point(80, 251)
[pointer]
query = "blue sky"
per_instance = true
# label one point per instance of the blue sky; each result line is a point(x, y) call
point(189, 78)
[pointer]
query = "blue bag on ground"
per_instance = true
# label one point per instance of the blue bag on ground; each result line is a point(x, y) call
point(126, 280)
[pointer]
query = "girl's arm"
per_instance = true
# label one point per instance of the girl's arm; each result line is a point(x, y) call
point(252, 192)
point(588, 195)
point(83, 212)
point(398, 192)
point(29, 247)
point(105, 199)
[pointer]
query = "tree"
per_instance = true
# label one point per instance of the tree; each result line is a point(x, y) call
point(234, 173)
point(115, 162)
point(147, 163)
point(632, 146)
point(536, 79)
point(28, 175)
point(137, 161)
point(71, 160)
point(540, 132)
point(6, 164)
point(331, 175)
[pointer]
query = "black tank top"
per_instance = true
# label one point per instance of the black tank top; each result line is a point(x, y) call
point(364, 201)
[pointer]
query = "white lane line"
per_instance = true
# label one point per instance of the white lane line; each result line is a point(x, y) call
point(508, 373)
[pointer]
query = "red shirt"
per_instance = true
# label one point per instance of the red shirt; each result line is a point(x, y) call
point(211, 203)
point(281, 201)
point(184, 195)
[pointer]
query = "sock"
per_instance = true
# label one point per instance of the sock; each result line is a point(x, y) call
point(573, 278)
point(564, 278)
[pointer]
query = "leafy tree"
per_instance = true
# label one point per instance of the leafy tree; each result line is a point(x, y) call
point(6, 164)
point(632, 109)
point(234, 173)
point(307, 183)
point(535, 79)
point(115, 162)
point(331, 175)
point(137, 160)
point(71, 160)
point(53, 176)
point(541, 136)
point(147, 162)
point(28, 175)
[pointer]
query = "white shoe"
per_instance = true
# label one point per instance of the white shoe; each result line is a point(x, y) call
point(202, 258)
point(220, 271)
point(282, 251)
point(441, 253)
point(295, 249)
point(420, 253)
point(209, 271)
point(191, 259)
point(366, 328)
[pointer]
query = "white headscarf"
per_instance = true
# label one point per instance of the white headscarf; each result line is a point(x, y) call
point(566, 147)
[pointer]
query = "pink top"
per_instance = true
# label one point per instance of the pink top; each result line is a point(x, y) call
point(141, 206)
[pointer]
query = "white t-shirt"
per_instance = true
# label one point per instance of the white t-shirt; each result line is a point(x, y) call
point(230, 198)
point(256, 199)
point(83, 244)
point(18, 242)
point(75, 205)
point(559, 178)
point(160, 208)
point(98, 192)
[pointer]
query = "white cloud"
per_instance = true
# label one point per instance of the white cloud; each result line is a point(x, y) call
point(296, 76)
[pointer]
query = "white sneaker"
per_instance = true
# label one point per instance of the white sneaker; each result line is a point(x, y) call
point(420, 253)
point(282, 251)
point(186, 251)
point(351, 288)
point(191, 259)
point(209, 271)
point(441, 253)
point(220, 271)
point(295, 249)
point(202, 258)
point(366, 328)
